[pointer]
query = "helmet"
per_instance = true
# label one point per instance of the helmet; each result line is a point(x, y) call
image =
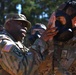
point(19, 17)
point(72, 3)
point(38, 26)
point(65, 5)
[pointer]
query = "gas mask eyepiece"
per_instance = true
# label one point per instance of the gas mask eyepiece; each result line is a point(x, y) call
point(65, 31)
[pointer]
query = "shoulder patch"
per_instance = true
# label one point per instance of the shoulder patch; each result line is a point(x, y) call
point(7, 48)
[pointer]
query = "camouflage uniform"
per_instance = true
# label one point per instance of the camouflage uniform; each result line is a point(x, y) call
point(61, 59)
point(18, 60)
point(65, 57)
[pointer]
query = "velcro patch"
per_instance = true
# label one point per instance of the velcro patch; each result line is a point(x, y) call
point(7, 48)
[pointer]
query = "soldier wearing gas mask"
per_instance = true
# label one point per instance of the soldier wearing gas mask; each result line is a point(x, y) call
point(65, 41)
point(34, 33)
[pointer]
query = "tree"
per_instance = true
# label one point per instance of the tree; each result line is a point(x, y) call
point(34, 10)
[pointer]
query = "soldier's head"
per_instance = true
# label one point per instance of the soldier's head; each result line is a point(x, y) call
point(16, 25)
point(68, 10)
point(38, 27)
point(36, 31)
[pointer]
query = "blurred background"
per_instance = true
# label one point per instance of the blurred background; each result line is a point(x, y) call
point(34, 10)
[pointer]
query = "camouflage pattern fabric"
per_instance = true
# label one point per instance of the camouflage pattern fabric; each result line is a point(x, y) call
point(66, 58)
point(16, 59)
point(63, 62)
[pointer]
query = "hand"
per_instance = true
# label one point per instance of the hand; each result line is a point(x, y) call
point(51, 30)
point(52, 20)
point(49, 33)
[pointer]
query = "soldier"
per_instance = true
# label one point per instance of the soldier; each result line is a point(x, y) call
point(65, 41)
point(34, 33)
point(16, 59)
point(62, 56)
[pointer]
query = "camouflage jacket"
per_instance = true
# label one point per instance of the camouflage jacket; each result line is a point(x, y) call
point(65, 56)
point(61, 59)
point(16, 59)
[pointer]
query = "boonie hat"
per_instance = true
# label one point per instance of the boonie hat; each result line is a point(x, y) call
point(18, 17)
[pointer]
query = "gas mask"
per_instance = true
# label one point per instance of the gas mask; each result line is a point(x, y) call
point(65, 32)
point(33, 37)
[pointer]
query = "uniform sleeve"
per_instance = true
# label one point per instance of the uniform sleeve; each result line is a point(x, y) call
point(11, 58)
point(17, 63)
point(40, 45)
point(44, 59)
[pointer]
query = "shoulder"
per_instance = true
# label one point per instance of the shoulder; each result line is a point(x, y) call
point(5, 43)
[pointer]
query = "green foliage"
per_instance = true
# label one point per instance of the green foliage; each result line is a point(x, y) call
point(34, 10)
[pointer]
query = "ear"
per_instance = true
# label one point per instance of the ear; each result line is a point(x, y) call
point(8, 25)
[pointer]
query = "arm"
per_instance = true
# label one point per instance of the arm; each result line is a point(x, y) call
point(45, 43)
point(48, 35)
